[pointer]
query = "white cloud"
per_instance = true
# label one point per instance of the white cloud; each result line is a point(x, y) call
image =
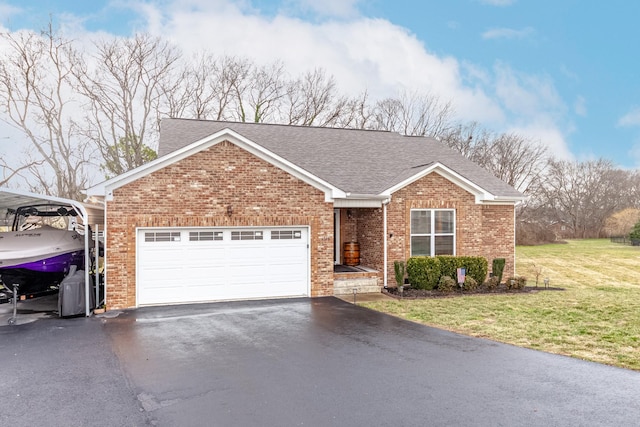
point(632, 118)
point(498, 2)
point(7, 11)
point(507, 33)
point(534, 108)
point(580, 106)
point(328, 8)
point(362, 54)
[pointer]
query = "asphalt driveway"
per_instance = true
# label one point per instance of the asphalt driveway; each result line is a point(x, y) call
point(318, 362)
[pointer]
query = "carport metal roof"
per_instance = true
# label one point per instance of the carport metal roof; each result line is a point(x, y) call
point(89, 214)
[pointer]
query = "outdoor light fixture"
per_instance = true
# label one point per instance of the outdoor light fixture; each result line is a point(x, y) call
point(229, 210)
point(349, 214)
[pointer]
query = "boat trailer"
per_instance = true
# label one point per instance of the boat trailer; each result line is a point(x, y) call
point(14, 300)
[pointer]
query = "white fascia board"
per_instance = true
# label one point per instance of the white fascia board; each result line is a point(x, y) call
point(352, 200)
point(357, 203)
point(106, 188)
point(481, 195)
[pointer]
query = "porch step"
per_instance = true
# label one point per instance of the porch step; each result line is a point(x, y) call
point(363, 285)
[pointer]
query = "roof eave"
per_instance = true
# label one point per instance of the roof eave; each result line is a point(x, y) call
point(106, 188)
point(482, 196)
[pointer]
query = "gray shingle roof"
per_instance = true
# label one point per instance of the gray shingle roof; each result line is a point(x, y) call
point(355, 161)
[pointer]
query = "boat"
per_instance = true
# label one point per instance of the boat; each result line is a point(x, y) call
point(39, 250)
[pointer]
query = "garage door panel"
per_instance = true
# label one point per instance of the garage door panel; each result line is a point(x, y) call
point(190, 268)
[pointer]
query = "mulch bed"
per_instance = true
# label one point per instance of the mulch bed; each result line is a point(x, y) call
point(411, 293)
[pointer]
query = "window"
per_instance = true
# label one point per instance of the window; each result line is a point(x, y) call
point(162, 236)
point(285, 234)
point(199, 236)
point(246, 235)
point(432, 232)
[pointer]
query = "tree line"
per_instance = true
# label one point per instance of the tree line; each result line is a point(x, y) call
point(101, 106)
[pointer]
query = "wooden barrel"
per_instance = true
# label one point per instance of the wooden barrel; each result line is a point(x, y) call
point(351, 253)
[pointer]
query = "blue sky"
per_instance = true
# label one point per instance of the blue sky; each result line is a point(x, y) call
point(565, 72)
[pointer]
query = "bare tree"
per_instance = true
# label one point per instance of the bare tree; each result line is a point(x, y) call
point(516, 160)
point(312, 100)
point(124, 90)
point(356, 113)
point(470, 140)
point(206, 88)
point(511, 157)
point(582, 195)
point(621, 222)
point(413, 114)
point(258, 97)
point(36, 98)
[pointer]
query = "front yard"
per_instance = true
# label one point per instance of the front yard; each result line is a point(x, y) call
point(596, 317)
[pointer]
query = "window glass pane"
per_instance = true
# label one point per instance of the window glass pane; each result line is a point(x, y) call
point(444, 245)
point(420, 222)
point(420, 246)
point(162, 236)
point(246, 235)
point(444, 221)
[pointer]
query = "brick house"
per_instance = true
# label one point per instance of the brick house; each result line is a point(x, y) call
point(245, 210)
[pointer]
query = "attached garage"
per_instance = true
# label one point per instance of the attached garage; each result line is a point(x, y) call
point(184, 265)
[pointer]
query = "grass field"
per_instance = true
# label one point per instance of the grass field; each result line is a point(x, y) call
point(596, 317)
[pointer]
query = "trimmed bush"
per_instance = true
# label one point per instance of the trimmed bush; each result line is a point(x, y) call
point(399, 270)
point(517, 282)
point(423, 272)
point(492, 283)
point(497, 268)
point(448, 265)
point(447, 284)
point(477, 267)
point(470, 284)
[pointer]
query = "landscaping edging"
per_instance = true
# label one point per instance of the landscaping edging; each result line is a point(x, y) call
point(425, 294)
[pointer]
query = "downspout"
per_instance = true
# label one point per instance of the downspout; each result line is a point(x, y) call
point(514, 241)
point(384, 239)
point(104, 253)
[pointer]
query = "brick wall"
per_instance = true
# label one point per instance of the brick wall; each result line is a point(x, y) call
point(196, 192)
point(481, 230)
point(371, 237)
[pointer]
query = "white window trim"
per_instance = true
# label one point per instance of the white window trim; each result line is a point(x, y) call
point(433, 234)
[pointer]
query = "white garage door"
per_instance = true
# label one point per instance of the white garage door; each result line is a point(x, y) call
point(181, 265)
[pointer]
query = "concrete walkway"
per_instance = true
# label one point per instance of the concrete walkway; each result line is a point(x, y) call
point(365, 297)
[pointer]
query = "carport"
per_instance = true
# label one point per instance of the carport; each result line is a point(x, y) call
point(89, 214)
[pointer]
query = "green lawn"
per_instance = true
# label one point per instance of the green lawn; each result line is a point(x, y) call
point(596, 317)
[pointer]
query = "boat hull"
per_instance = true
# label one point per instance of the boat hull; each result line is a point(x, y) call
point(30, 282)
point(37, 260)
point(55, 264)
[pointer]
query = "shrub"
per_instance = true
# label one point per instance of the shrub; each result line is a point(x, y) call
point(448, 265)
point(497, 268)
point(470, 284)
point(424, 272)
point(446, 284)
point(477, 267)
point(399, 270)
point(517, 282)
point(635, 233)
point(492, 283)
